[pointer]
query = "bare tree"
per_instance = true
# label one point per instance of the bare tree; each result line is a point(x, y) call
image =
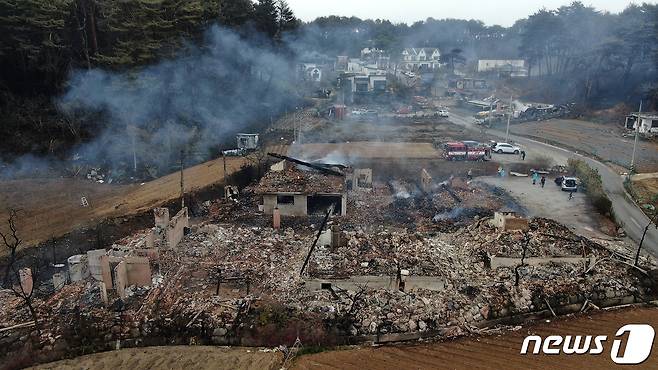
point(11, 241)
point(12, 276)
point(24, 293)
point(653, 220)
point(257, 159)
point(517, 273)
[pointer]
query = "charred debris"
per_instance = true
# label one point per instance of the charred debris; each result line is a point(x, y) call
point(333, 253)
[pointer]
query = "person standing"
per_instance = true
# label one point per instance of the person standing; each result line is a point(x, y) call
point(535, 177)
point(469, 176)
point(570, 195)
point(523, 155)
point(543, 181)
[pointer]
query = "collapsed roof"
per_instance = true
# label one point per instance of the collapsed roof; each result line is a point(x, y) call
point(288, 177)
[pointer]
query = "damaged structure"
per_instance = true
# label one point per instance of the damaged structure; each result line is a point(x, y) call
point(295, 189)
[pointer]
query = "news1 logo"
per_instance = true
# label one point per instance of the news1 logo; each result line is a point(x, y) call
point(637, 350)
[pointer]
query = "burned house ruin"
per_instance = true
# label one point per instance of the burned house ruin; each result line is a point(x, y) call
point(296, 189)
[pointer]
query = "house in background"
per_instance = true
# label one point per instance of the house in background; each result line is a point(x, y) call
point(645, 123)
point(504, 68)
point(377, 57)
point(420, 59)
point(247, 141)
point(310, 72)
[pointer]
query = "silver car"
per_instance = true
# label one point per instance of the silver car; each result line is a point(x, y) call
point(501, 148)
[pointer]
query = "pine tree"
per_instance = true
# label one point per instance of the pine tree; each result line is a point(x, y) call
point(266, 17)
point(33, 38)
point(287, 20)
point(235, 13)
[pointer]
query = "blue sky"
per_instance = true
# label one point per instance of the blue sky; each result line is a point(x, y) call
point(502, 12)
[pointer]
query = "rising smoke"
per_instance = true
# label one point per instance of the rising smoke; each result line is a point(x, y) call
point(195, 103)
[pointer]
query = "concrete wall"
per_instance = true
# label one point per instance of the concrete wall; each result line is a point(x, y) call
point(509, 221)
point(325, 238)
point(78, 268)
point(176, 228)
point(434, 283)
point(362, 179)
point(138, 271)
point(99, 266)
point(425, 181)
point(25, 276)
point(344, 205)
point(59, 280)
point(298, 208)
point(355, 283)
point(161, 216)
point(121, 279)
point(497, 262)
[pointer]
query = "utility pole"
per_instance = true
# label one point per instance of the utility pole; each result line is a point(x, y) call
point(134, 152)
point(489, 117)
point(224, 160)
point(637, 134)
point(182, 184)
point(294, 126)
point(509, 117)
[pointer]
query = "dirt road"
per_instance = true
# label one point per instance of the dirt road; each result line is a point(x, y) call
point(172, 358)
point(337, 153)
point(601, 140)
point(496, 351)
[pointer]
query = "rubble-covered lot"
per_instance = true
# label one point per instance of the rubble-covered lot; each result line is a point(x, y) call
point(261, 289)
point(406, 260)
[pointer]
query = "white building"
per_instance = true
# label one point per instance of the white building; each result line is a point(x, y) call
point(311, 72)
point(645, 123)
point(507, 67)
point(420, 59)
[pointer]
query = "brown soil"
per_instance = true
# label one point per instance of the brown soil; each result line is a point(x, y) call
point(495, 351)
point(52, 207)
point(602, 140)
point(646, 187)
point(172, 358)
point(366, 150)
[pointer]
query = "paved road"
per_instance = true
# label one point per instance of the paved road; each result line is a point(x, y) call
point(550, 202)
point(627, 213)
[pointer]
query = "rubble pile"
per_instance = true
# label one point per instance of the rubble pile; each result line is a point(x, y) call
point(95, 174)
point(380, 253)
point(546, 238)
point(447, 208)
point(269, 258)
point(370, 274)
point(295, 180)
point(472, 292)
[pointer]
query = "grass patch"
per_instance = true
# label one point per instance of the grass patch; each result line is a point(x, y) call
point(590, 180)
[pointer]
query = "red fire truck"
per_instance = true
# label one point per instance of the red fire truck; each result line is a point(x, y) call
point(459, 151)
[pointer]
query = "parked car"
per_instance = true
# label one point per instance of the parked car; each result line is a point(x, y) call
point(443, 113)
point(501, 148)
point(569, 184)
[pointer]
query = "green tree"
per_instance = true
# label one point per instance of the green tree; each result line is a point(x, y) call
point(34, 45)
point(235, 13)
point(286, 18)
point(453, 58)
point(266, 17)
